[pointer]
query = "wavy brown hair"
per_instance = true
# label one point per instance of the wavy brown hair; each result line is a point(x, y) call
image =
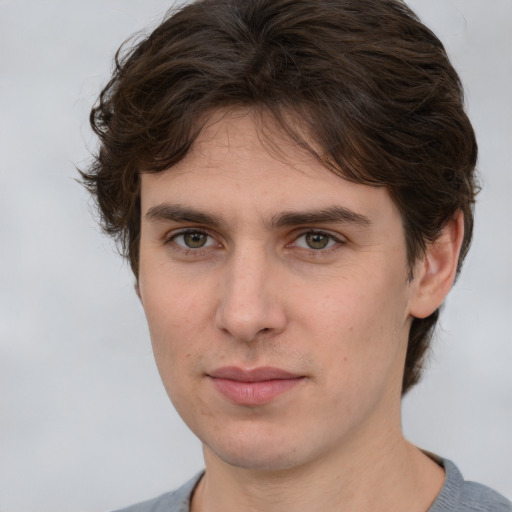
point(372, 86)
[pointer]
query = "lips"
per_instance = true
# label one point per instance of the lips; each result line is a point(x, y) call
point(253, 387)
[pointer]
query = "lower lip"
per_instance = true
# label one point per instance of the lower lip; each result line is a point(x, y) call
point(254, 393)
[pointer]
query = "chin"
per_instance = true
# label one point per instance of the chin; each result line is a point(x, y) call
point(254, 451)
point(257, 460)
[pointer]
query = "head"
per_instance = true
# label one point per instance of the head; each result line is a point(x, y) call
point(364, 87)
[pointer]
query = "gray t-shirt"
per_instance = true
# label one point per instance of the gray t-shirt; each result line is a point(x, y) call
point(456, 495)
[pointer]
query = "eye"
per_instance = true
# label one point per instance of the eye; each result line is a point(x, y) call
point(193, 239)
point(316, 240)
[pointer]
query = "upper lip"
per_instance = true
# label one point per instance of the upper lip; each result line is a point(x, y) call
point(253, 375)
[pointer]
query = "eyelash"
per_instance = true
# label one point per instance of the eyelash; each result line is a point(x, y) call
point(171, 238)
point(320, 252)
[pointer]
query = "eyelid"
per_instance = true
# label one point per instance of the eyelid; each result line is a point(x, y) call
point(213, 242)
point(171, 236)
point(337, 238)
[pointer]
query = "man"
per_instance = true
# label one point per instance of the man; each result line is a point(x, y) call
point(293, 183)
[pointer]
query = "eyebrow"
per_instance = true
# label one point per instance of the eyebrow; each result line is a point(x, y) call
point(179, 213)
point(337, 214)
point(332, 214)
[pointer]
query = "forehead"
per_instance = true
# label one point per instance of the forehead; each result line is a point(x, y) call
point(244, 162)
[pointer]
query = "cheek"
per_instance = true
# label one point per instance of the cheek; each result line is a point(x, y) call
point(174, 316)
point(362, 321)
point(174, 324)
point(170, 300)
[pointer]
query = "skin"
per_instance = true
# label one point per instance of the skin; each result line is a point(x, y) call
point(329, 300)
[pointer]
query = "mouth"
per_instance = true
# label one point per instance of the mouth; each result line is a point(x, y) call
point(253, 387)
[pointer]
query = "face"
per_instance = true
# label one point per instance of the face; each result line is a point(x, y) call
point(277, 297)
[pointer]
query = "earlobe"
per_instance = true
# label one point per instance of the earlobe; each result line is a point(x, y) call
point(137, 290)
point(435, 273)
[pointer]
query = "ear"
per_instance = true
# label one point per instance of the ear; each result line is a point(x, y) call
point(435, 273)
point(137, 290)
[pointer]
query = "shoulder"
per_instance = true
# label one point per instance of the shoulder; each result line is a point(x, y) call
point(459, 495)
point(175, 501)
point(479, 497)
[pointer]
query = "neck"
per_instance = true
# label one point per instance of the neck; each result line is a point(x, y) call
point(388, 474)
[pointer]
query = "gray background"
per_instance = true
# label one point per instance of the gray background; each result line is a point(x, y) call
point(84, 422)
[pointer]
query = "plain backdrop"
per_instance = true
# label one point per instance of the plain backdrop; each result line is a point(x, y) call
point(85, 424)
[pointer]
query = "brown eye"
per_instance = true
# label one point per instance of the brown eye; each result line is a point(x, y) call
point(317, 240)
point(193, 240)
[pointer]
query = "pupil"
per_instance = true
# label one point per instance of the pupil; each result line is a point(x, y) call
point(194, 240)
point(317, 240)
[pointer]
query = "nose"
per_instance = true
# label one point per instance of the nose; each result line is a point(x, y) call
point(251, 302)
